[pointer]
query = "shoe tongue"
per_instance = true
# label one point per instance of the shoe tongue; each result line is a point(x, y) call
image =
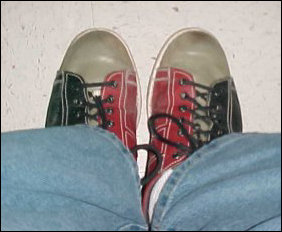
point(206, 126)
point(93, 92)
point(96, 91)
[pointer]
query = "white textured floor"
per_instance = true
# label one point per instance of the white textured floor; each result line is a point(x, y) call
point(35, 35)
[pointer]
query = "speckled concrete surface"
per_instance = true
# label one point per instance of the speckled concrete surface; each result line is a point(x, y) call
point(35, 35)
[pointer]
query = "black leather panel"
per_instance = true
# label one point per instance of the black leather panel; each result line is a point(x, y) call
point(55, 113)
point(67, 102)
point(224, 96)
point(236, 124)
point(75, 100)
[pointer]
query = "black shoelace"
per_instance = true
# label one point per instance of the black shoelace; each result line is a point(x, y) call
point(210, 115)
point(195, 142)
point(97, 103)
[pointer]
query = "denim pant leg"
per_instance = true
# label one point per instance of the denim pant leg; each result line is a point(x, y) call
point(232, 184)
point(68, 178)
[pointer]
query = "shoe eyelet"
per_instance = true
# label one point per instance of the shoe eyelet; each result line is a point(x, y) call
point(182, 82)
point(80, 102)
point(183, 109)
point(110, 99)
point(181, 120)
point(180, 133)
point(218, 107)
point(215, 94)
point(219, 132)
point(110, 124)
point(218, 121)
point(114, 84)
point(75, 101)
point(183, 95)
point(109, 111)
point(218, 93)
point(214, 116)
point(176, 156)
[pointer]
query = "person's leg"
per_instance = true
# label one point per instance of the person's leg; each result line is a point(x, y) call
point(68, 178)
point(231, 184)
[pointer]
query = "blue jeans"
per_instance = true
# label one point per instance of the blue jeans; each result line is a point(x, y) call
point(83, 178)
